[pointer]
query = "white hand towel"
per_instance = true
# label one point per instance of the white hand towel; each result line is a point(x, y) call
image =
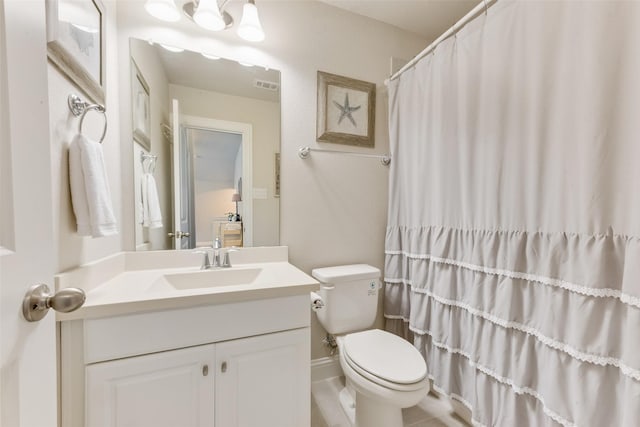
point(90, 193)
point(151, 214)
point(78, 192)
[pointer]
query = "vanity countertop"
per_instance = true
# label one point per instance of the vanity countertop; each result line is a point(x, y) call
point(132, 282)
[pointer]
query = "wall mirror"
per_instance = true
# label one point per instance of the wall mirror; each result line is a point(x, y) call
point(206, 137)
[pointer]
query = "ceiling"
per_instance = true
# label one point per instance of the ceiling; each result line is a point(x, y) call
point(426, 18)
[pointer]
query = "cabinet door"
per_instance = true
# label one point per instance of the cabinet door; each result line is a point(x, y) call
point(169, 389)
point(264, 381)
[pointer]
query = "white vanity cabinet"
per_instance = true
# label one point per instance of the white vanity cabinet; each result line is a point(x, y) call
point(168, 389)
point(259, 381)
point(242, 364)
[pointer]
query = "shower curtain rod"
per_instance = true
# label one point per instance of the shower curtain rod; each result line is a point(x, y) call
point(481, 7)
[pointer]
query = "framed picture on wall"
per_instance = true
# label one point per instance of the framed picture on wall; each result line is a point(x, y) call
point(76, 43)
point(346, 110)
point(140, 108)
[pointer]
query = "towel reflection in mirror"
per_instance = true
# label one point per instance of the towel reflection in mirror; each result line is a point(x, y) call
point(151, 215)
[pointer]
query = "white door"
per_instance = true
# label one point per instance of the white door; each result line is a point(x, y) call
point(264, 381)
point(27, 350)
point(168, 389)
point(184, 227)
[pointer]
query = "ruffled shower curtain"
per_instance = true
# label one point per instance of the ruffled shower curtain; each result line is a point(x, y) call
point(513, 242)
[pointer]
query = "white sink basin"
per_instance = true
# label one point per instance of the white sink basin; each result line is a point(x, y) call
point(213, 278)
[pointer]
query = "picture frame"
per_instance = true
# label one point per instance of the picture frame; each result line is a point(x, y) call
point(76, 43)
point(276, 191)
point(346, 110)
point(140, 108)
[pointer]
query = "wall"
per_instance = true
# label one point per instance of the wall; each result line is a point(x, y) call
point(333, 208)
point(72, 249)
point(264, 117)
point(151, 68)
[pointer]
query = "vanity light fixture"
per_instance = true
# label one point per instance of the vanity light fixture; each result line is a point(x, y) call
point(165, 10)
point(250, 28)
point(210, 15)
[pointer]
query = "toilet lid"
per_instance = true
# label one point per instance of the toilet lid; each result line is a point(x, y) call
point(386, 356)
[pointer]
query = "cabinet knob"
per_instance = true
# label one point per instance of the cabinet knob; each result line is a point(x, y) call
point(205, 370)
point(223, 367)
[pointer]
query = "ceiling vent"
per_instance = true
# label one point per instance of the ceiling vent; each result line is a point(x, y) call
point(264, 84)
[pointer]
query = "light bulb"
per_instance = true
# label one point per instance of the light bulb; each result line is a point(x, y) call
point(164, 10)
point(208, 16)
point(250, 28)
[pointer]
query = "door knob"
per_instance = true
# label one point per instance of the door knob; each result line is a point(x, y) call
point(39, 299)
point(179, 234)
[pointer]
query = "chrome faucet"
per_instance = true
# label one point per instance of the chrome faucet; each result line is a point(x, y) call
point(216, 261)
point(208, 264)
point(217, 245)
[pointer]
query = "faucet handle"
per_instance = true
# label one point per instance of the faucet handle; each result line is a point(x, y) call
point(206, 264)
point(227, 261)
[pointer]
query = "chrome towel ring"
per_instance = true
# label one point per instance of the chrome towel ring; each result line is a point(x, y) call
point(79, 107)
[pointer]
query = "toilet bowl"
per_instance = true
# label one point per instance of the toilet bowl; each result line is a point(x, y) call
point(383, 374)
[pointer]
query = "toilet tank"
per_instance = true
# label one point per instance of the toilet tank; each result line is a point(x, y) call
point(350, 295)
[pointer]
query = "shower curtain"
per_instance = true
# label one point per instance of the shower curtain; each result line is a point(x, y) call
point(513, 241)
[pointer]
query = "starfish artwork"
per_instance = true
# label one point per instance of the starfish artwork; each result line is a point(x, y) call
point(346, 110)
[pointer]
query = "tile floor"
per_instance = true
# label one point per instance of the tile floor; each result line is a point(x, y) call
point(432, 411)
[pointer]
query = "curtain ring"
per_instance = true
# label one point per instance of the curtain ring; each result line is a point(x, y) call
point(485, 7)
point(100, 109)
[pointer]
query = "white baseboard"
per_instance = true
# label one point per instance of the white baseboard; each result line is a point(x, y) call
point(325, 367)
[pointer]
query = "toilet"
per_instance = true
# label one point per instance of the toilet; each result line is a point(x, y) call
point(383, 372)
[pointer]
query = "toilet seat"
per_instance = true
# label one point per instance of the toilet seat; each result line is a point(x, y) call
point(385, 359)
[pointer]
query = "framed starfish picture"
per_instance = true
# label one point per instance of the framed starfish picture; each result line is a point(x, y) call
point(346, 110)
